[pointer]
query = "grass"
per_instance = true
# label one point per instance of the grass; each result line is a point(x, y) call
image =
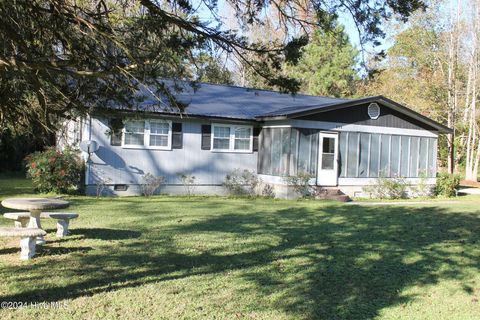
point(14, 183)
point(221, 258)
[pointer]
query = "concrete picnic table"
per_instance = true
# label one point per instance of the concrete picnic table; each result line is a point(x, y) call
point(35, 207)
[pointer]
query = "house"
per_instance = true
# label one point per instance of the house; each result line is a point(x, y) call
point(342, 143)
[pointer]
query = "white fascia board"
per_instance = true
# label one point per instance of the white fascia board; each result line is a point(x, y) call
point(335, 126)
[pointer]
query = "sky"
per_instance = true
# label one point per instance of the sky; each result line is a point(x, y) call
point(223, 11)
point(445, 7)
point(344, 19)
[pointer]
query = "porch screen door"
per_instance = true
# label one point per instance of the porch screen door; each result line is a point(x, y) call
point(327, 159)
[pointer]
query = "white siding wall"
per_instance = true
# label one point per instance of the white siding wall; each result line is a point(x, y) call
point(127, 166)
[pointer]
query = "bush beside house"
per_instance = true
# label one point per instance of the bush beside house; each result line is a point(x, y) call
point(54, 171)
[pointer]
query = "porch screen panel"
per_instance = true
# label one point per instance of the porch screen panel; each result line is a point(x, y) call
point(404, 156)
point(343, 144)
point(294, 137)
point(385, 156)
point(352, 161)
point(395, 156)
point(261, 151)
point(274, 152)
point(265, 151)
point(285, 153)
point(422, 163)
point(371, 155)
point(374, 155)
point(363, 155)
point(303, 155)
point(432, 157)
point(314, 153)
point(414, 144)
point(307, 151)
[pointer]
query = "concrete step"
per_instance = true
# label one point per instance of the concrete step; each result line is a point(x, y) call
point(331, 194)
point(329, 191)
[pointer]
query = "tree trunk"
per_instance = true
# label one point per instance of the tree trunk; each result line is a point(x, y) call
point(450, 98)
point(473, 147)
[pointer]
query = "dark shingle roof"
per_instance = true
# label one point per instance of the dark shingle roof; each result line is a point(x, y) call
point(236, 102)
point(223, 101)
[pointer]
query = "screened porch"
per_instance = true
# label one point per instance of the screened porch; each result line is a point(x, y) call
point(289, 151)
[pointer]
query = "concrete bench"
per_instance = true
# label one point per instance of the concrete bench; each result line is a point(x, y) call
point(63, 220)
point(27, 237)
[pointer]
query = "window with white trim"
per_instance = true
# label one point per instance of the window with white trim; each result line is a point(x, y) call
point(221, 138)
point(242, 138)
point(232, 138)
point(134, 133)
point(159, 134)
point(148, 134)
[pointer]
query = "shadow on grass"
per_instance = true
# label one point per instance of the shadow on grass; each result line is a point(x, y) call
point(334, 262)
point(45, 250)
point(9, 250)
point(104, 234)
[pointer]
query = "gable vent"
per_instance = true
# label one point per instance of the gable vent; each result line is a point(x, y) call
point(373, 111)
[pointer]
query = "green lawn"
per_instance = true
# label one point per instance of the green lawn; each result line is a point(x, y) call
point(220, 258)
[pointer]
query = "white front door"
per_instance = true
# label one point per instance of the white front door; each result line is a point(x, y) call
point(327, 172)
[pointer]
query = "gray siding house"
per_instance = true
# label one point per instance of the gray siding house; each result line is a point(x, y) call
point(341, 143)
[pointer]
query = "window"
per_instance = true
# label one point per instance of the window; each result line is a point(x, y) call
point(373, 111)
point(148, 134)
point(134, 133)
point(328, 153)
point(232, 138)
point(221, 138)
point(242, 138)
point(160, 134)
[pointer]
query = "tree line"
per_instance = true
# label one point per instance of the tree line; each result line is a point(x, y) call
point(432, 65)
point(62, 58)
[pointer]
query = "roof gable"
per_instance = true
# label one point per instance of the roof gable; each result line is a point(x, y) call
point(397, 111)
point(358, 114)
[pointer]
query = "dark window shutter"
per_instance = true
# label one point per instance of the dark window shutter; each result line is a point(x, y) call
point(116, 126)
point(177, 135)
point(116, 138)
point(206, 136)
point(256, 133)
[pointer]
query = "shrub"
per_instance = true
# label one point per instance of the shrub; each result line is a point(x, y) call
point(268, 191)
point(423, 189)
point(241, 183)
point(101, 180)
point(447, 184)
point(151, 183)
point(300, 183)
point(388, 188)
point(54, 171)
point(188, 182)
point(102, 184)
